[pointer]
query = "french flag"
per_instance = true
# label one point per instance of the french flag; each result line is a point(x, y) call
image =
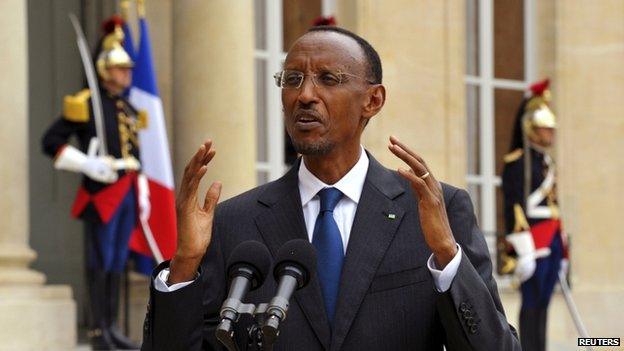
point(160, 231)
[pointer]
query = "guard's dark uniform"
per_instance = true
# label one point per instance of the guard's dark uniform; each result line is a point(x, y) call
point(531, 204)
point(109, 210)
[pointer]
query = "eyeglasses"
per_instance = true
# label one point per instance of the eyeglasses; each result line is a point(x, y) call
point(291, 79)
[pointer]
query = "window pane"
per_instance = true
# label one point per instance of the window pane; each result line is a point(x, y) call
point(506, 103)
point(298, 17)
point(261, 115)
point(260, 24)
point(509, 39)
point(472, 37)
point(473, 138)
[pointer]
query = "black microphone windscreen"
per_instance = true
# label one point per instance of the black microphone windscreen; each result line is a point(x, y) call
point(298, 252)
point(250, 254)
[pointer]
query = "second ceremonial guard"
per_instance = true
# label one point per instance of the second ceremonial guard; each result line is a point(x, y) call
point(532, 213)
point(111, 194)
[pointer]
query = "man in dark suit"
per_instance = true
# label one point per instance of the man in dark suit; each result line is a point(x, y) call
point(414, 271)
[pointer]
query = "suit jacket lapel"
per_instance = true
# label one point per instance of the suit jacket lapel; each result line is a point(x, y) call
point(283, 221)
point(376, 222)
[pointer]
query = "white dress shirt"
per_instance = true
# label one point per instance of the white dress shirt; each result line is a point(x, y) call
point(351, 186)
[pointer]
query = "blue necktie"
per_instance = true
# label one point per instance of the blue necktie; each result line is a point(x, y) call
point(329, 250)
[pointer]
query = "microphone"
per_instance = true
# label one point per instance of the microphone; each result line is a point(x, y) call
point(296, 259)
point(247, 267)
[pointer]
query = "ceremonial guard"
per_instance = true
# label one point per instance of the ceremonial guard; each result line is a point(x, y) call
point(109, 198)
point(532, 213)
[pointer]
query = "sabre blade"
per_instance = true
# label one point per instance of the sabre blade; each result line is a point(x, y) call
point(576, 317)
point(92, 81)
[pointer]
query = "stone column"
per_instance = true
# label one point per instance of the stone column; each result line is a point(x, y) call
point(589, 90)
point(213, 89)
point(32, 316)
point(421, 44)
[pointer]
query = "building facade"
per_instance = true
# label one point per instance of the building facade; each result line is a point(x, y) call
point(455, 72)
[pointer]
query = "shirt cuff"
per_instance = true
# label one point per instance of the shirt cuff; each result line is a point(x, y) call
point(442, 279)
point(160, 282)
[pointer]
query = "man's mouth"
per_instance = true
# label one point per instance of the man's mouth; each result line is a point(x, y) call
point(307, 120)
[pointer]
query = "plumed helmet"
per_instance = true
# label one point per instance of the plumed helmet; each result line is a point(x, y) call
point(112, 53)
point(534, 112)
point(537, 113)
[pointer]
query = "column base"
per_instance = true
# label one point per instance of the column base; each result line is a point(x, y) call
point(37, 318)
point(139, 295)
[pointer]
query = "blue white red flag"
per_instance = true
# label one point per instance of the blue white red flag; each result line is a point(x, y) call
point(155, 157)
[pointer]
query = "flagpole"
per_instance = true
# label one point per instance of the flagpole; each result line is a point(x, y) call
point(158, 226)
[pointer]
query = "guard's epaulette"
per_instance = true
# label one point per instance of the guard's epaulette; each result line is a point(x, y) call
point(512, 156)
point(76, 107)
point(142, 119)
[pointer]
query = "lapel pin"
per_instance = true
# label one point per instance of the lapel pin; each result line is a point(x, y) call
point(391, 216)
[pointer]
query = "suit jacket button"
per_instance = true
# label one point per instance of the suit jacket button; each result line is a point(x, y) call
point(463, 307)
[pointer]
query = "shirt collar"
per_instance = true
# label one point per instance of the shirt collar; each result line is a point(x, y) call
point(350, 185)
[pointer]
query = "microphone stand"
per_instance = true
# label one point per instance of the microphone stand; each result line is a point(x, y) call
point(225, 330)
point(256, 339)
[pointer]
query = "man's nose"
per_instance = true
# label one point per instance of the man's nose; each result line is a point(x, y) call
point(307, 91)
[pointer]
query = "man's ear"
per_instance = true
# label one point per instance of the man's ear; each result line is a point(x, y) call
point(375, 101)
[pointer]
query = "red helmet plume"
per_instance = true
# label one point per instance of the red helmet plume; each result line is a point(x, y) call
point(538, 88)
point(108, 26)
point(324, 21)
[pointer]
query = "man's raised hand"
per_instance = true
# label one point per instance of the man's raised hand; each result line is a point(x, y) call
point(431, 208)
point(195, 221)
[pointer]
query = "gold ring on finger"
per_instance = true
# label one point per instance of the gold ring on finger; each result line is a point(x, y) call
point(424, 176)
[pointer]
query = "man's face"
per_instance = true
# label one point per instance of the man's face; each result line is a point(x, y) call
point(120, 77)
point(321, 118)
point(545, 136)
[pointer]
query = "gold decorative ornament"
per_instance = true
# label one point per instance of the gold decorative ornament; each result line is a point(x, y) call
point(513, 156)
point(76, 107)
point(142, 120)
point(141, 8)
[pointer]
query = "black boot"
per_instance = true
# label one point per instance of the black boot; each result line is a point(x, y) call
point(99, 337)
point(529, 326)
point(112, 311)
point(542, 317)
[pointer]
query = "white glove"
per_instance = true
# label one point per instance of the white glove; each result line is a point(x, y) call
point(564, 267)
point(524, 246)
point(98, 168)
point(525, 268)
